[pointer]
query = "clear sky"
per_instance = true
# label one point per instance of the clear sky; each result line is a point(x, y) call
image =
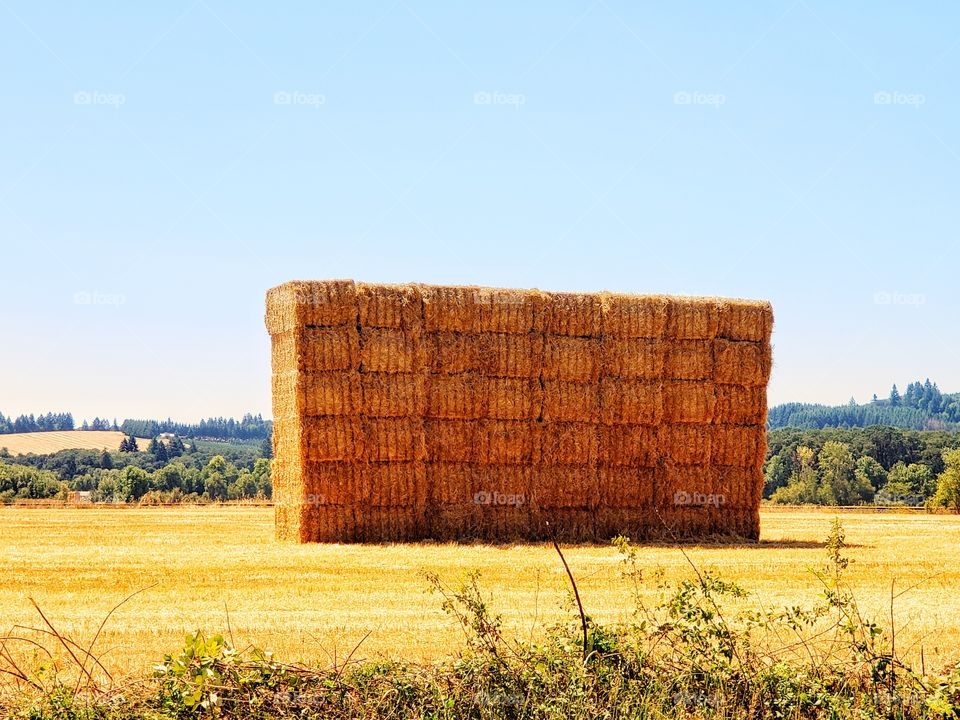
point(163, 164)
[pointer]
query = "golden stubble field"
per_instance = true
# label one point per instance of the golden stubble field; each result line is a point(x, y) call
point(43, 443)
point(307, 602)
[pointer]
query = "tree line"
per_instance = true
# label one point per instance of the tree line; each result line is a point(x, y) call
point(36, 423)
point(881, 464)
point(249, 427)
point(167, 472)
point(922, 407)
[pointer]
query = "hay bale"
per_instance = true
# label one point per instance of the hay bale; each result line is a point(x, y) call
point(630, 445)
point(450, 308)
point(573, 314)
point(570, 401)
point(742, 404)
point(514, 398)
point(564, 486)
point(390, 351)
point(742, 363)
point(742, 446)
point(461, 397)
point(631, 402)
point(686, 444)
point(572, 359)
point(507, 442)
point(745, 320)
point(389, 306)
point(329, 393)
point(329, 439)
point(393, 394)
point(634, 358)
point(515, 312)
point(569, 443)
point(687, 401)
point(410, 411)
point(634, 316)
point(511, 355)
point(625, 487)
point(689, 360)
point(393, 439)
point(295, 305)
point(693, 318)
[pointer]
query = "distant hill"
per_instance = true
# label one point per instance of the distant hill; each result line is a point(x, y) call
point(44, 443)
point(921, 407)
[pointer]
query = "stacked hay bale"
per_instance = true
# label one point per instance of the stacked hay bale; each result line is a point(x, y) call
point(406, 412)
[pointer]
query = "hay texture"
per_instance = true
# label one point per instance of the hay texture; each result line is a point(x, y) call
point(407, 412)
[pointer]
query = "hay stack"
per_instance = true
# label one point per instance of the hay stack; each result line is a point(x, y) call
point(408, 411)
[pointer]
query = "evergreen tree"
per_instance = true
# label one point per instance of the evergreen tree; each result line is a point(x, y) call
point(895, 397)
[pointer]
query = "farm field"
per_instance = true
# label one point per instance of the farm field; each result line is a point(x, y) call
point(309, 602)
point(42, 443)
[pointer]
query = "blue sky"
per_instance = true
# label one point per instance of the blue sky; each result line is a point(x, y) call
point(164, 164)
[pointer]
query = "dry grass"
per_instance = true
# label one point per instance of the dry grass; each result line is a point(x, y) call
point(303, 601)
point(42, 443)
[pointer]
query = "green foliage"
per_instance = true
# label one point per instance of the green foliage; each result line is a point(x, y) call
point(948, 484)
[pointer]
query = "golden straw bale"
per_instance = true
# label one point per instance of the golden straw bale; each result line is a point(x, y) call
point(634, 358)
point(332, 438)
point(634, 316)
point(449, 308)
point(739, 445)
point(492, 486)
point(674, 478)
point(565, 525)
point(463, 397)
point(572, 358)
point(635, 402)
point(393, 394)
point(631, 445)
point(506, 442)
point(571, 401)
point(288, 481)
point(469, 523)
point(564, 443)
point(286, 395)
point(453, 353)
point(689, 360)
point(508, 311)
point(397, 351)
point(742, 404)
point(329, 393)
point(742, 363)
point(286, 518)
point(394, 484)
point(686, 444)
point(565, 486)
point(626, 487)
point(295, 305)
point(743, 487)
point(287, 437)
point(687, 401)
point(388, 524)
point(323, 349)
point(394, 439)
point(574, 314)
point(330, 483)
point(693, 318)
point(455, 440)
point(511, 355)
point(389, 306)
point(746, 320)
point(514, 398)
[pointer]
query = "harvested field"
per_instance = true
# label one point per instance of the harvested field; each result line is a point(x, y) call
point(42, 443)
point(305, 601)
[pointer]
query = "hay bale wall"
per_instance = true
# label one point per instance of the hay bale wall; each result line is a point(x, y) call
point(415, 411)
